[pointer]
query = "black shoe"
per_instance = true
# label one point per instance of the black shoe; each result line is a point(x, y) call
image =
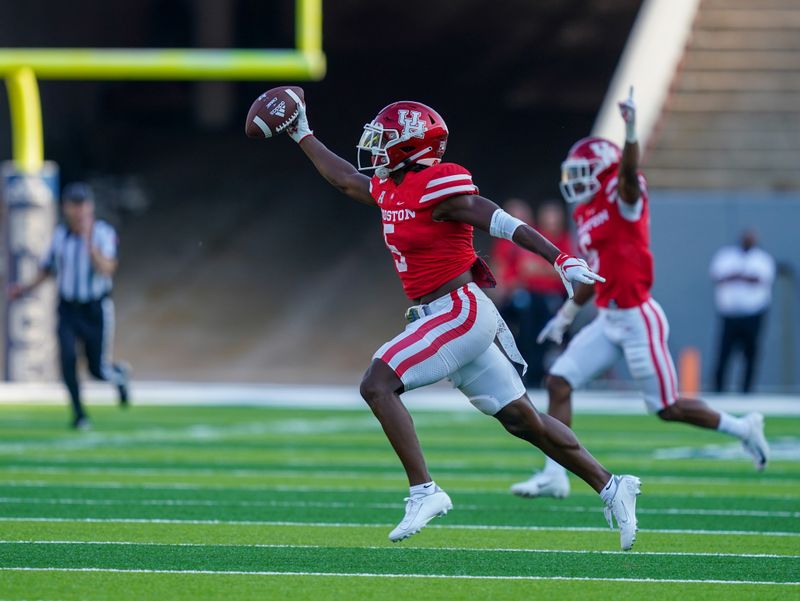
point(81, 423)
point(124, 370)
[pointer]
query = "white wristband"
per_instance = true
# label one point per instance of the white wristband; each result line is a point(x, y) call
point(570, 309)
point(630, 132)
point(503, 225)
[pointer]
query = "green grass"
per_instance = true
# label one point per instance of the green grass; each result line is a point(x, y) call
point(252, 503)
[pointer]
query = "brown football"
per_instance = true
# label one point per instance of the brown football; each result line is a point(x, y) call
point(272, 112)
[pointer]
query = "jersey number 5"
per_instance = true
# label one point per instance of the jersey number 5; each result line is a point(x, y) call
point(400, 260)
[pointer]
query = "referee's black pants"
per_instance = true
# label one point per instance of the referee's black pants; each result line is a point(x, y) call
point(85, 323)
point(738, 332)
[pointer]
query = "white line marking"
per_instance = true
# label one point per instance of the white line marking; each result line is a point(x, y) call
point(360, 475)
point(201, 503)
point(121, 469)
point(200, 433)
point(290, 488)
point(37, 599)
point(416, 548)
point(293, 96)
point(376, 575)
point(262, 125)
point(387, 525)
point(350, 505)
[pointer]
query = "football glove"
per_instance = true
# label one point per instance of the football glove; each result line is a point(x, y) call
point(558, 325)
point(571, 269)
point(299, 129)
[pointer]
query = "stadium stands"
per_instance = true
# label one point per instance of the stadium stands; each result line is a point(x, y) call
point(732, 119)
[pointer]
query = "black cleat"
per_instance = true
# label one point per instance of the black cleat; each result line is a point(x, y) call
point(124, 370)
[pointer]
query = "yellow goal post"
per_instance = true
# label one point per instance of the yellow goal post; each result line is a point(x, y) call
point(22, 66)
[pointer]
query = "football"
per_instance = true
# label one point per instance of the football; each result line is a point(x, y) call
point(273, 112)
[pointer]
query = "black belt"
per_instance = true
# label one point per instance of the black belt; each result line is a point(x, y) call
point(73, 303)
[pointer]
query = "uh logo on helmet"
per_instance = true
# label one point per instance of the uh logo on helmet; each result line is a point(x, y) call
point(586, 161)
point(402, 134)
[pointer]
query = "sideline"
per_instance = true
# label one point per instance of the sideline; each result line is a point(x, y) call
point(437, 397)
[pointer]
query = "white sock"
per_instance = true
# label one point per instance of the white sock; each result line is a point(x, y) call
point(609, 490)
point(735, 426)
point(428, 488)
point(551, 466)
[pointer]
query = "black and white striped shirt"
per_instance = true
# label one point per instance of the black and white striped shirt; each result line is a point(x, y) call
point(69, 259)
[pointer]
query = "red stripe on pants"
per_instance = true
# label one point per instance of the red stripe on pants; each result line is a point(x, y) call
point(443, 339)
point(655, 361)
point(420, 332)
point(664, 349)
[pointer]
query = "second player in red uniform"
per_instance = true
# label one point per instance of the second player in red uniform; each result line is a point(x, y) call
point(428, 210)
point(612, 216)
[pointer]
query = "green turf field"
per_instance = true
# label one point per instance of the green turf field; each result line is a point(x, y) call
point(253, 503)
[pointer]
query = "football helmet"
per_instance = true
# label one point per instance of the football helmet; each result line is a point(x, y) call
point(402, 134)
point(586, 161)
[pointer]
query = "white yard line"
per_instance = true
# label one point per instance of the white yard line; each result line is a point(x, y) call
point(200, 432)
point(388, 525)
point(377, 575)
point(322, 473)
point(352, 505)
point(406, 547)
point(115, 485)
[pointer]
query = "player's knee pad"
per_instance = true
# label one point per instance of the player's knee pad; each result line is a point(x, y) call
point(490, 382)
point(488, 404)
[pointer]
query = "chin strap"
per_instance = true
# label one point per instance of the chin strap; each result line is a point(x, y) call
point(384, 172)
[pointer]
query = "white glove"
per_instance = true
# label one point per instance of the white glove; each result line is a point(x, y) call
point(555, 328)
point(572, 269)
point(627, 108)
point(299, 129)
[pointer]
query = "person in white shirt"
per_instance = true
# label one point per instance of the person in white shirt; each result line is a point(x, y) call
point(743, 277)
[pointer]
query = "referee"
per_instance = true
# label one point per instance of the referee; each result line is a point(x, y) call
point(83, 257)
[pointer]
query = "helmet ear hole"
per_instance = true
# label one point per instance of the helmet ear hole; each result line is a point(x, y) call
point(407, 148)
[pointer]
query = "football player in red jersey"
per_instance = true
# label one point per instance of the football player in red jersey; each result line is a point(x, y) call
point(612, 215)
point(428, 211)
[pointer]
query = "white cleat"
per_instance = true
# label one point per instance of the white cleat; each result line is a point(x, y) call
point(543, 484)
point(623, 508)
point(420, 510)
point(755, 443)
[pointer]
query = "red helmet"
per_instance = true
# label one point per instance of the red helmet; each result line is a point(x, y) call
point(586, 161)
point(402, 134)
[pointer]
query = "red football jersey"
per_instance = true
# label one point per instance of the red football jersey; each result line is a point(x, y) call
point(426, 253)
point(519, 268)
point(614, 237)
